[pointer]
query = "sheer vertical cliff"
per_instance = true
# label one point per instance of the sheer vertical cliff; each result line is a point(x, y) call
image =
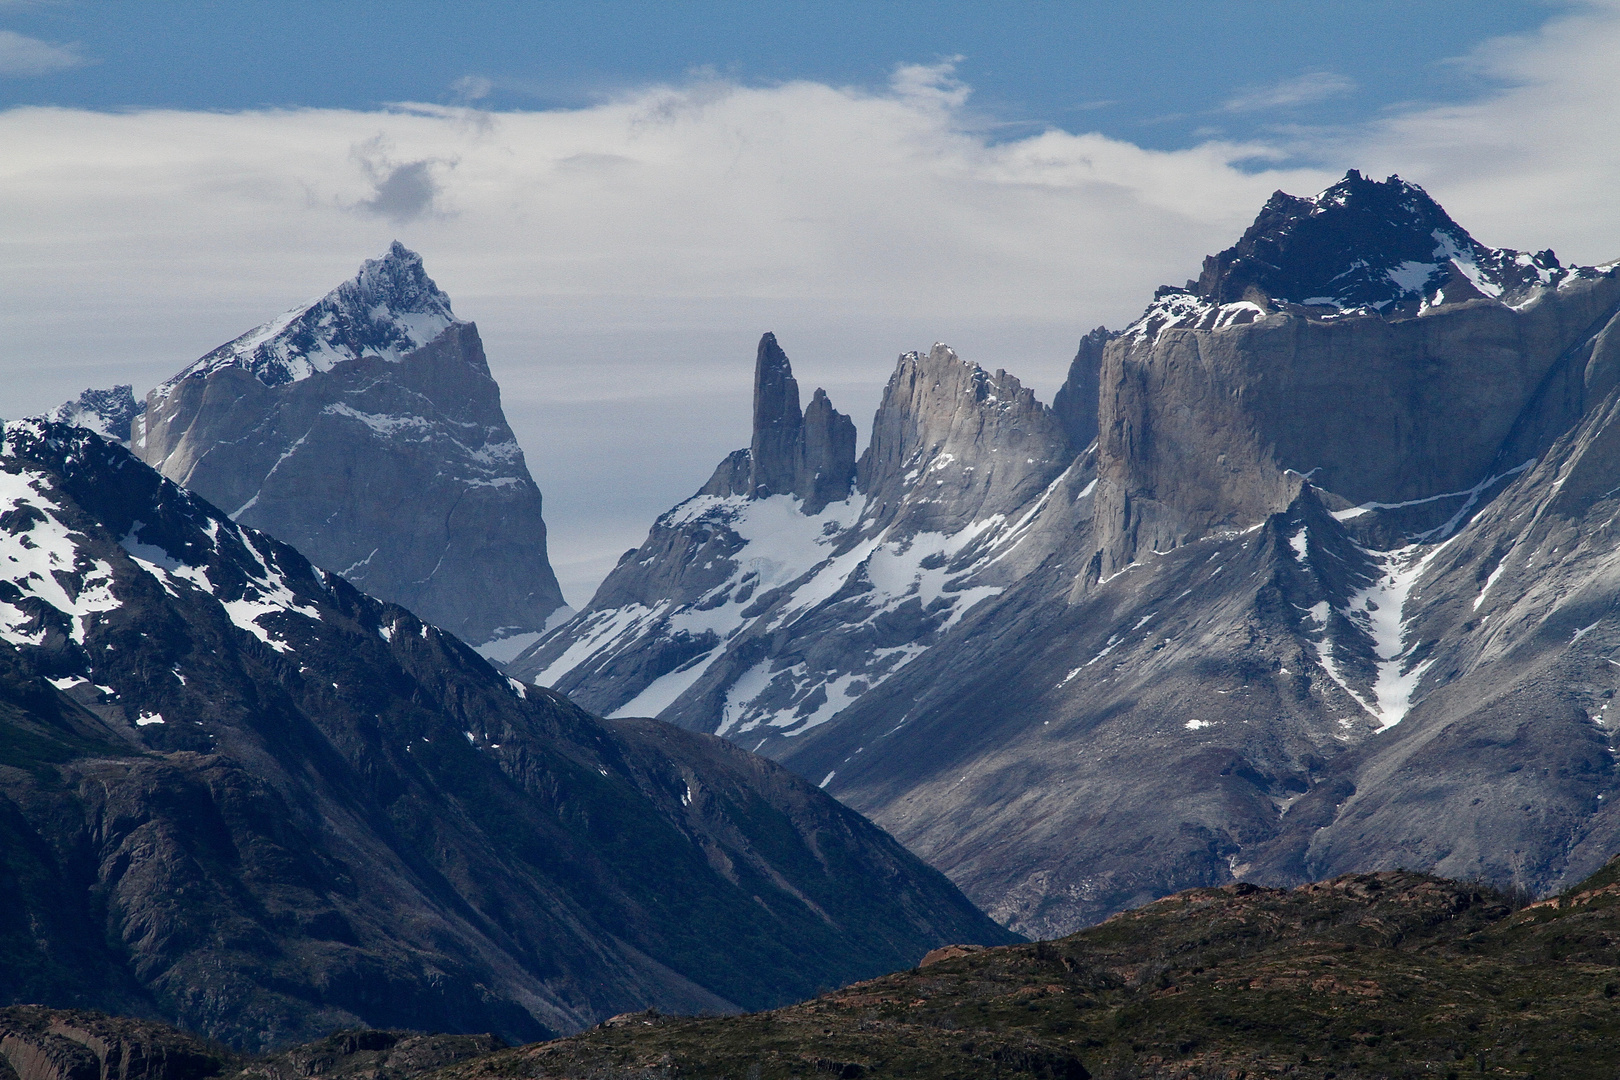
point(365, 430)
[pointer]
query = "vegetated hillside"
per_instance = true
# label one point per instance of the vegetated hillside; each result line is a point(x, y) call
point(1393, 974)
point(239, 794)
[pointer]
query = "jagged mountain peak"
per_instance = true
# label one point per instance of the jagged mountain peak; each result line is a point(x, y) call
point(108, 413)
point(1359, 247)
point(389, 309)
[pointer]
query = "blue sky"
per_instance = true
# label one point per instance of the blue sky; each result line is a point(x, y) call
point(1161, 73)
point(624, 196)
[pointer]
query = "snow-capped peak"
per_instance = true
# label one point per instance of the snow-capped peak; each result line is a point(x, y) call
point(1359, 247)
point(388, 310)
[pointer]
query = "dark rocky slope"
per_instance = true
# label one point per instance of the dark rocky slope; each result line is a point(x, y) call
point(365, 430)
point(242, 795)
point(1389, 975)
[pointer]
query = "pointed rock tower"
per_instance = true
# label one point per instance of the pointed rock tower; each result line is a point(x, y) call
point(809, 455)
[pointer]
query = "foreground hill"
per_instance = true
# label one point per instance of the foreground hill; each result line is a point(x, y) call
point(1371, 975)
point(1388, 975)
point(239, 794)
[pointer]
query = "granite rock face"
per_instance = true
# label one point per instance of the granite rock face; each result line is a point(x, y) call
point(1075, 403)
point(239, 794)
point(1331, 593)
point(809, 456)
point(760, 613)
point(365, 430)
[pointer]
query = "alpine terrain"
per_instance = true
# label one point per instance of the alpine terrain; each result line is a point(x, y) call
point(239, 794)
point(365, 430)
point(1311, 569)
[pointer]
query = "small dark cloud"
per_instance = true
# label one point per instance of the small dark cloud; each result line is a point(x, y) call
point(402, 191)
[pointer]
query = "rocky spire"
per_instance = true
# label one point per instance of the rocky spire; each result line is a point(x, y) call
point(810, 455)
point(777, 423)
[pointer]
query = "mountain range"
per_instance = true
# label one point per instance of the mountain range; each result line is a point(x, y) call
point(1306, 571)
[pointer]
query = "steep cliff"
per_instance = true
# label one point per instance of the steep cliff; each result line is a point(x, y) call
point(365, 430)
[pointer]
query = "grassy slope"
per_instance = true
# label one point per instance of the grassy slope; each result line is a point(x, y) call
point(1374, 975)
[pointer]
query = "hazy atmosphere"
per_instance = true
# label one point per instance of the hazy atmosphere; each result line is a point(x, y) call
point(623, 199)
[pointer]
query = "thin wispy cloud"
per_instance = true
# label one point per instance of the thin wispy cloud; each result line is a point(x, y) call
point(470, 88)
point(1312, 88)
point(21, 56)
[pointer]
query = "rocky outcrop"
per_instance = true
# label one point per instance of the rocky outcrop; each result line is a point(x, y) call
point(953, 444)
point(365, 430)
point(762, 616)
point(810, 456)
point(240, 794)
point(1075, 404)
point(69, 1044)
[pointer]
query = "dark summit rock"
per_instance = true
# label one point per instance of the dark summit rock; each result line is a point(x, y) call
point(1364, 244)
point(365, 429)
point(239, 794)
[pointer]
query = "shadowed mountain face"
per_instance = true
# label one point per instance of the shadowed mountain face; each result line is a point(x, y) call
point(1332, 590)
point(238, 793)
point(365, 430)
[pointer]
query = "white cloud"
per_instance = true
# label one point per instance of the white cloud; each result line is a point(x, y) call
point(24, 56)
point(1308, 89)
point(1533, 165)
